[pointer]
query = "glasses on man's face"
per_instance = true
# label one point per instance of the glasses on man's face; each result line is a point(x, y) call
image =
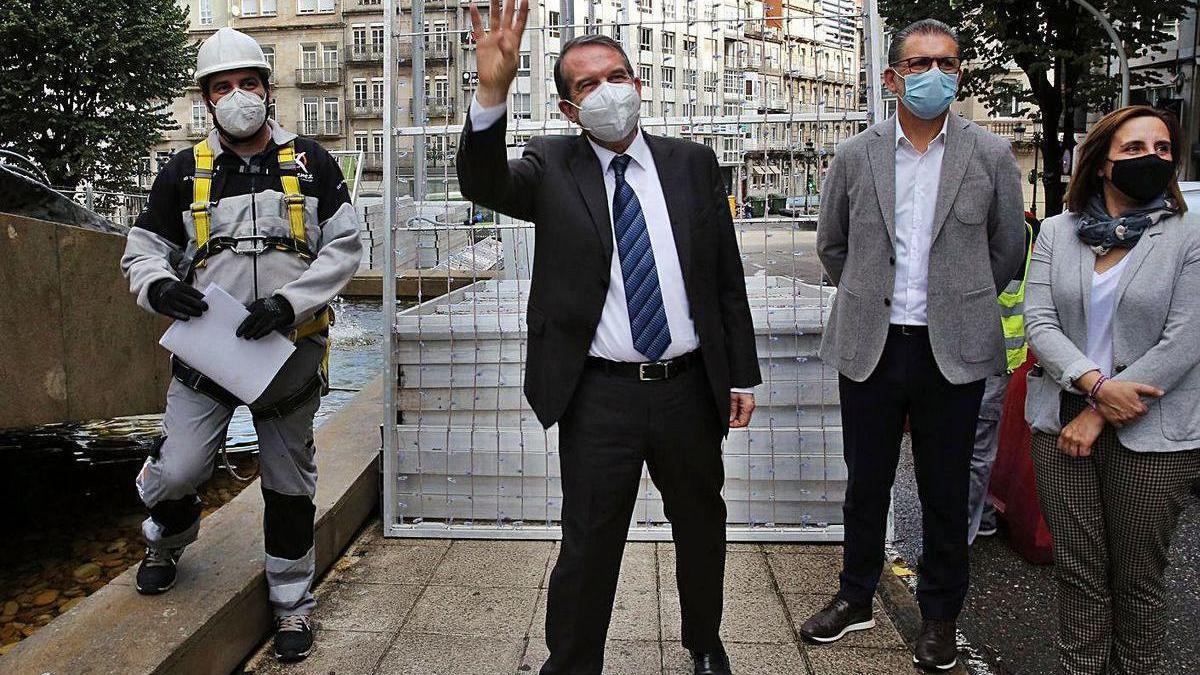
point(920, 64)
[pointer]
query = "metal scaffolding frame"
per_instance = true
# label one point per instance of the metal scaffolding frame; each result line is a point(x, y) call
point(498, 298)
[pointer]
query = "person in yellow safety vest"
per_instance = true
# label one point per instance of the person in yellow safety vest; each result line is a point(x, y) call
point(266, 216)
point(987, 439)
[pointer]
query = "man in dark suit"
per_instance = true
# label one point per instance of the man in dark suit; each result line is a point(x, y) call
point(640, 337)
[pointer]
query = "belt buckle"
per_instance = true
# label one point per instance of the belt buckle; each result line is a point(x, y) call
point(253, 245)
point(644, 369)
point(907, 330)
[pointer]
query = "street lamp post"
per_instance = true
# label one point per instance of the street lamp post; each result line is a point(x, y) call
point(810, 157)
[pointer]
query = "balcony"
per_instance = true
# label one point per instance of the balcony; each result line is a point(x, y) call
point(1007, 127)
point(777, 104)
point(433, 160)
point(320, 128)
point(366, 108)
point(372, 161)
point(436, 108)
point(318, 77)
point(197, 129)
point(371, 52)
point(435, 50)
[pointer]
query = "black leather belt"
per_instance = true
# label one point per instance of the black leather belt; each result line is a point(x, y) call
point(908, 331)
point(646, 372)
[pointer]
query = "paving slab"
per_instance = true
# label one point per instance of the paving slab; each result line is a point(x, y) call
point(339, 652)
point(860, 661)
point(411, 562)
point(378, 608)
point(464, 610)
point(805, 573)
point(746, 658)
point(748, 617)
point(415, 653)
point(503, 564)
point(621, 657)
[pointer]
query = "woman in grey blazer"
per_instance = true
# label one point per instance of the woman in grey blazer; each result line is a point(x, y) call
point(1113, 314)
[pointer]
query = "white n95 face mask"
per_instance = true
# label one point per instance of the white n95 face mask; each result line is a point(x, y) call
point(610, 111)
point(240, 113)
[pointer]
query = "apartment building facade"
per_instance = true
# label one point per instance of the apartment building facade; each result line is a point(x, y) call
point(729, 59)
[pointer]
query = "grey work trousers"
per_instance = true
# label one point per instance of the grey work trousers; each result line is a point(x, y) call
point(987, 441)
point(194, 429)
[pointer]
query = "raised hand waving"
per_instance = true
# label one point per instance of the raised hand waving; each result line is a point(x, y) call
point(498, 49)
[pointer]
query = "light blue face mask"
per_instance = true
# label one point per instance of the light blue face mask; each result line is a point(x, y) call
point(928, 94)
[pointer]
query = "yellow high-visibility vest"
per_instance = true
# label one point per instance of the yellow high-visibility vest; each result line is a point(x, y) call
point(1012, 312)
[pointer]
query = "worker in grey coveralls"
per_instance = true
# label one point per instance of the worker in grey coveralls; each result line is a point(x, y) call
point(266, 216)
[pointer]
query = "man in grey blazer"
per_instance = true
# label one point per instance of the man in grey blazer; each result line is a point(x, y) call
point(921, 227)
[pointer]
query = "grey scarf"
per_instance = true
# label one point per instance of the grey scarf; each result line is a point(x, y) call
point(1103, 232)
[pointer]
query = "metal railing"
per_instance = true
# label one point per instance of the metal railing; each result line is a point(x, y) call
point(371, 52)
point(318, 77)
point(320, 128)
point(366, 108)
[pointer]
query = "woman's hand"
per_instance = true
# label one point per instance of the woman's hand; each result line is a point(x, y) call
point(1120, 401)
point(1078, 437)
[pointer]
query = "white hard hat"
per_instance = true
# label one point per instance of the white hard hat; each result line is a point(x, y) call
point(228, 49)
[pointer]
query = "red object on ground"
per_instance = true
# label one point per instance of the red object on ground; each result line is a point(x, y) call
point(1013, 488)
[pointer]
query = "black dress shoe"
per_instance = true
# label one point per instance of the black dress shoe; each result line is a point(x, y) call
point(711, 663)
point(835, 620)
point(937, 648)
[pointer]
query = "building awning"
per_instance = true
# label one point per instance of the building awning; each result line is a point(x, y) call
point(773, 170)
point(759, 170)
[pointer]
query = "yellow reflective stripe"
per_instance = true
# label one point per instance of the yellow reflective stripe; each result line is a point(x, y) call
point(1010, 298)
point(291, 191)
point(202, 191)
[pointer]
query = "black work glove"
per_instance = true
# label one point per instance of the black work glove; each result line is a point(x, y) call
point(266, 315)
point(176, 299)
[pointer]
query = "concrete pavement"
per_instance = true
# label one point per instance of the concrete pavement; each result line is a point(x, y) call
point(463, 607)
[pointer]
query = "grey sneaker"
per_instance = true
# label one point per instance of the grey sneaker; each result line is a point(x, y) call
point(293, 638)
point(157, 572)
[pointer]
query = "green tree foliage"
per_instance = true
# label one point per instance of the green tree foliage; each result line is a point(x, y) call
point(1062, 49)
point(85, 86)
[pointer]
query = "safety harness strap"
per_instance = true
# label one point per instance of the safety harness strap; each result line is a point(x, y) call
point(202, 193)
point(291, 190)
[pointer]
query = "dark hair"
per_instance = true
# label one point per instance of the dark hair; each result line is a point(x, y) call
point(1093, 153)
point(922, 27)
point(560, 81)
point(263, 77)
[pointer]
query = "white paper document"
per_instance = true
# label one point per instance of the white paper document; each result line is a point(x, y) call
point(209, 343)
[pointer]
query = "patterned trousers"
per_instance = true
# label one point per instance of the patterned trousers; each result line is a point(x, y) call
point(1112, 516)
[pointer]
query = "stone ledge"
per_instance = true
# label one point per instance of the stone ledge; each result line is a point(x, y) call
point(218, 612)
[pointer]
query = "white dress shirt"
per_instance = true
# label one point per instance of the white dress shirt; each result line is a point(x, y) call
point(917, 178)
point(614, 337)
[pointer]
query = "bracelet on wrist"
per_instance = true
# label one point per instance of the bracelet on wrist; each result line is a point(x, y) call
point(1091, 397)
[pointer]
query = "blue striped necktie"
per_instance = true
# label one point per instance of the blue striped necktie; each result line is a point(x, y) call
point(643, 297)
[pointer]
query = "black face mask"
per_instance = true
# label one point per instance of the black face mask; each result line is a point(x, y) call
point(1142, 178)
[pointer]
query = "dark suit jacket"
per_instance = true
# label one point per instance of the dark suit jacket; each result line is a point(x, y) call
point(557, 185)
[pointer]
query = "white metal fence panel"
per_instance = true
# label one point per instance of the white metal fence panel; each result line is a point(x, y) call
point(464, 455)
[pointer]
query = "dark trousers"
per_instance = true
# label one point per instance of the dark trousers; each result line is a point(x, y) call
point(611, 428)
point(907, 382)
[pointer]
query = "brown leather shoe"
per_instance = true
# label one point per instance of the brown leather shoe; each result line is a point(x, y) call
point(835, 620)
point(937, 646)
